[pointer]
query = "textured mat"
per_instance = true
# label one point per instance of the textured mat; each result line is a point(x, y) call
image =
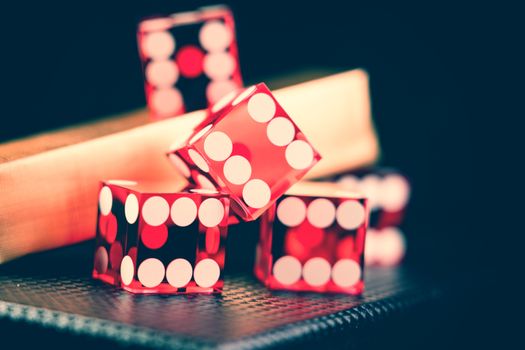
point(246, 315)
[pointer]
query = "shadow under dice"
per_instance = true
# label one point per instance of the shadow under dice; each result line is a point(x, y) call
point(189, 60)
point(248, 147)
point(313, 239)
point(174, 242)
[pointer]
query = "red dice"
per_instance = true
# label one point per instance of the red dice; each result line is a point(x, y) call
point(189, 60)
point(387, 190)
point(313, 239)
point(151, 238)
point(249, 148)
point(384, 247)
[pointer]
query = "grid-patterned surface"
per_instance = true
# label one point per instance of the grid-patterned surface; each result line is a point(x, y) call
point(245, 316)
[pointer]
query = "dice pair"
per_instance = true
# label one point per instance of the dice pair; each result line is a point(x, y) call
point(313, 239)
point(189, 60)
point(154, 238)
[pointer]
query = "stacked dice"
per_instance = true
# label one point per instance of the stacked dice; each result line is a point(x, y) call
point(243, 163)
point(153, 238)
point(189, 60)
point(388, 193)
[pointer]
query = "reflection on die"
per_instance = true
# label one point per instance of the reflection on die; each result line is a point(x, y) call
point(250, 148)
point(155, 238)
point(189, 60)
point(387, 190)
point(313, 239)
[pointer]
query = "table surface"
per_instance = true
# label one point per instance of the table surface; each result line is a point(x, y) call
point(52, 292)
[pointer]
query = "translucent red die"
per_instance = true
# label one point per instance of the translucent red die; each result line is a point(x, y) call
point(387, 190)
point(154, 238)
point(313, 239)
point(189, 60)
point(250, 148)
point(385, 247)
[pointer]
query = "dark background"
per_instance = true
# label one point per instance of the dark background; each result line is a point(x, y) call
point(443, 82)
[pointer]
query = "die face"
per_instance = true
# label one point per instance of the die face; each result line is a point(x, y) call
point(313, 243)
point(111, 232)
point(250, 149)
point(180, 245)
point(388, 191)
point(174, 242)
point(189, 60)
point(385, 247)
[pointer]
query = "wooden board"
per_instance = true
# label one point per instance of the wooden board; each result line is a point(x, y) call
point(49, 183)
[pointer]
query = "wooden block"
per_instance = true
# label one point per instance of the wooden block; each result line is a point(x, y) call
point(49, 182)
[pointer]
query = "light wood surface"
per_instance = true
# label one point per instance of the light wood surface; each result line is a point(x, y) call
point(49, 182)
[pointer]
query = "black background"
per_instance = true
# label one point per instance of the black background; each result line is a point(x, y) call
point(443, 81)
